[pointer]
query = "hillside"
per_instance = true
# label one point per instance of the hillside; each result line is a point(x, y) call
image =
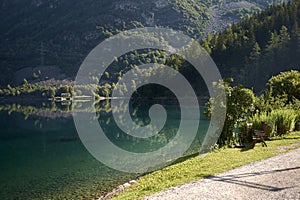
point(260, 46)
point(36, 35)
point(62, 32)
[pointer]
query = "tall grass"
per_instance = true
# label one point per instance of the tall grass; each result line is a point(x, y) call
point(280, 121)
point(284, 120)
point(258, 118)
point(297, 121)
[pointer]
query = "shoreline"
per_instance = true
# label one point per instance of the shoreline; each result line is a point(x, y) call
point(118, 190)
point(195, 169)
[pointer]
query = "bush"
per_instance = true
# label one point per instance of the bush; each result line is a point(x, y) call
point(284, 120)
point(279, 121)
point(245, 134)
point(297, 121)
point(263, 118)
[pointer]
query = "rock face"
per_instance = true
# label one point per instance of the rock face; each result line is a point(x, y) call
point(225, 14)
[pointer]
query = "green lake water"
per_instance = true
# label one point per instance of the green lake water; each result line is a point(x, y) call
point(42, 157)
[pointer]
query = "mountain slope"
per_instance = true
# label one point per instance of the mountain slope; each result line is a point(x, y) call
point(60, 33)
point(260, 46)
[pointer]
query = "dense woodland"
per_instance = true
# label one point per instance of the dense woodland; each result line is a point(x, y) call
point(260, 46)
point(260, 55)
point(250, 51)
point(61, 33)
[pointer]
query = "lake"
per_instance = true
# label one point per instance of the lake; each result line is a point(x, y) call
point(42, 156)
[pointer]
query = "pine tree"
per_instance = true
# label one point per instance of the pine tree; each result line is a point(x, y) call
point(255, 53)
point(284, 35)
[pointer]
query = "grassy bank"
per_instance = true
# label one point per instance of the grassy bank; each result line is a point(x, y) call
point(212, 163)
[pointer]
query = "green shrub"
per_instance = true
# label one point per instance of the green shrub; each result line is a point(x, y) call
point(259, 118)
point(279, 121)
point(245, 134)
point(284, 120)
point(297, 121)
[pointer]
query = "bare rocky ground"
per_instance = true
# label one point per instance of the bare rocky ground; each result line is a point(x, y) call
point(275, 178)
point(218, 21)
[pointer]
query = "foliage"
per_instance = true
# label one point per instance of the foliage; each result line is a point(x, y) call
point(257, 120)
point(31, 93)
point(65, 38)
point(69, 30)
point(297, 120)
point(286, 83)
point(280, 121)
point(239, 104)
point(259, 46)
point(279, 104)
point(266, 102)
point(278, 107)
point(284, 121)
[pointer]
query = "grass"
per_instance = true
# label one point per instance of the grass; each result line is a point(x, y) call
point(202, 166)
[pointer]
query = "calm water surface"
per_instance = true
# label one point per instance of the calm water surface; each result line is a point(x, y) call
point(42, 156)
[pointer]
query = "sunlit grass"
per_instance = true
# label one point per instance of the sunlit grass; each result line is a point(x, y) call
point(212, 163)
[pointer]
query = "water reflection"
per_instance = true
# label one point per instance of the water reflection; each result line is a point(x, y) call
point(41, 155)
point(139, 113)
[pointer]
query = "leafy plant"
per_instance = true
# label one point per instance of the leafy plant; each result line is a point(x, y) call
point(239, 104)
point(297, 121)
point(284, 121)
point(280, 121)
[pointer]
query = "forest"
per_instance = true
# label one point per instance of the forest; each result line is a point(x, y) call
point(251, 51)
point(259, 55)
point(258, 47)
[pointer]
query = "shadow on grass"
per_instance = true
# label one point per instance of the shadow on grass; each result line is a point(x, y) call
point(251, 145)
point(247, 146)
point(184, 158)
point(285, 138)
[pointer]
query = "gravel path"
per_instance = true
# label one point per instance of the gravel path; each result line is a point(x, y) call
point(275, 178)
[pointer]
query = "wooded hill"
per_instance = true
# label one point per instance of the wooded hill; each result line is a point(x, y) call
point(260, 46)
point(61, 33)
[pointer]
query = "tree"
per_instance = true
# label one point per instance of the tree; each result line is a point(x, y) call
point(252, 66)
point(284, 35)
point(240, 102)
point(274, 43)
point(286, 83)
point(255, 53)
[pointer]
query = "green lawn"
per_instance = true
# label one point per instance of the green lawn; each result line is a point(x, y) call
point(212, 163)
